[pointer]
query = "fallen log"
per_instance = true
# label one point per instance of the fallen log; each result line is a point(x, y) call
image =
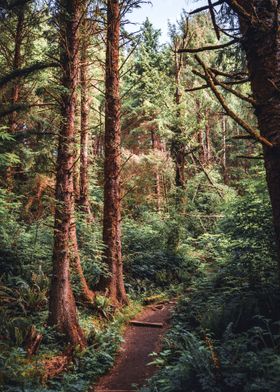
point(145, 324)
point(155, 307)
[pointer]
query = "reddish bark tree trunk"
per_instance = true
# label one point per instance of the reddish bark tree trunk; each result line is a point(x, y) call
point(76, 170)
point(208, 139)
point(112, 165)
point(178, 146)
point(262, 46)
point(157, 176)
point(62, 307)
point(17, 63)
point(224, 157)
point(15, 91)
point(85, 102)
point(87, 295)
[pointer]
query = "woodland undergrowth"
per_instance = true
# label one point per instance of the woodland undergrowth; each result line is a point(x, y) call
point(225, 335)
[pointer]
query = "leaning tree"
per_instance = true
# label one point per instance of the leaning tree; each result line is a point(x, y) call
point(253, 24)
point(62, 307)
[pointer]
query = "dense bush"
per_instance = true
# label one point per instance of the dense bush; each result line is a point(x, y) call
point(226, 332)
point(151, 261)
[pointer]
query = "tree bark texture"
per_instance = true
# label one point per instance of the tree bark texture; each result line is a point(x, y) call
point(84, 141)
point(208, 139)
point(15, 90)
point(87, 295)
point(224, 156)
point(156, 172)
point(201, 135)
point(178, 147)
point(261, 41)
point(62, 307)
point(17, 63)
point(112, 165)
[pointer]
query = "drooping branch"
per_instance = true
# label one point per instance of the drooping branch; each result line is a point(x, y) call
point(207, 175)
point(19, 107)
point(240, 10)
point(225, 86)
point(227, 109)
point(206, 86)
point(237, 75)
point(13, 108)
point(10, 6)
point(242, 137)
point(234, 92)
point(206, 7)
point(213, 17)
point(198, 88)
point(23, 72)
point(257, 157)
point(209, 47)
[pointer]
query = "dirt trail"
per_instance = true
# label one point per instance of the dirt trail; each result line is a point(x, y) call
point(131, 371)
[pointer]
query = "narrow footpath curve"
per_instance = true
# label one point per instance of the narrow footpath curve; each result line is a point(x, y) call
point(130, 370)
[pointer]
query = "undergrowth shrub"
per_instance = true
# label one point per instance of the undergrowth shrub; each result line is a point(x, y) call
point(150, 261)
point(225, 336)
point(26, 264)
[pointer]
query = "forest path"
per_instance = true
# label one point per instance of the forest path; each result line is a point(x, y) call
point(130, 370)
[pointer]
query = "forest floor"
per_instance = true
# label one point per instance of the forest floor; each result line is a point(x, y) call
point(132, 368)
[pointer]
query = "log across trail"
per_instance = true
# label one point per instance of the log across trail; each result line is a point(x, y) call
point(131, 369)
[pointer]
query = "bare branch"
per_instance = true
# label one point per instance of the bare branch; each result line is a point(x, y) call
point(206, 7)
point(210, 47)
point(227, 87)
point(250, 157)
point(23, 72)
point(213, 17)
point(207, 175)
point(238, 8)
point(243, 137)
point(237, 75)
point(229, 112)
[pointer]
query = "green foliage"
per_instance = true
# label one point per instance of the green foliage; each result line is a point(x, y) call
point(249, 232)
point(6, 158)
point(17, 372)
point(25, 249)
point(232, 311)
point(219, 242)
point(150, 261)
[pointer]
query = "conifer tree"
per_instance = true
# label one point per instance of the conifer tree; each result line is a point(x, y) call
point(62, 307)
point(112, 164)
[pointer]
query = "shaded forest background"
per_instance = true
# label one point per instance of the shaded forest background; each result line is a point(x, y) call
point(130, 172)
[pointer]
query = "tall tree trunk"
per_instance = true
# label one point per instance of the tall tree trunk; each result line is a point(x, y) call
point(262, 46)
point(76, 170)
point(17, 63)
point(62, 307)
point(201, 136)
point(85, 102)
point(156, 173)
point(178, 146)
point(87, 295)
point(112, 165)
point(15, 91)
point(224, 157)
point(208, 139)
